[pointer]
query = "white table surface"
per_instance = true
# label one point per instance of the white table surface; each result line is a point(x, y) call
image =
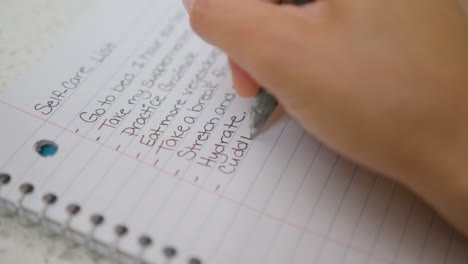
point(27, 30)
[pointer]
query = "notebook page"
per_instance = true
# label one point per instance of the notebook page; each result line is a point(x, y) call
point(152, 136)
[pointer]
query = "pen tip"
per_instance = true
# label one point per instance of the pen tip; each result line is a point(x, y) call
point(253, 133)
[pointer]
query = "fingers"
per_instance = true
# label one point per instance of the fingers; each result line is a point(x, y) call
point(266, 41)
point(250, 31)
point(244, 84)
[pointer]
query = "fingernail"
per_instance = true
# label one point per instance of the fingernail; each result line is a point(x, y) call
point(188, 4)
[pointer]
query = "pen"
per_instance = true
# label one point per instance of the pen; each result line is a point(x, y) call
point(264, 104)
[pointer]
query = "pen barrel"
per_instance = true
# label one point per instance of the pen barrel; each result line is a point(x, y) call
point(264, 103)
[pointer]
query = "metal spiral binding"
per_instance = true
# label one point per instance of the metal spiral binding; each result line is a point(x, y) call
point(4, 210)
point(120, 231)
point(25, 219)
point(4, 179)
point(169, 253)
point(194, 260)
point(72, 210)
point(145, 242)
point(28, 218)
point(92, 243)
point(49, 200)
point(96, 221)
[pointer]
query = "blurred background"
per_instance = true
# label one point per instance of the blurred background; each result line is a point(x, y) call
point(28, 28)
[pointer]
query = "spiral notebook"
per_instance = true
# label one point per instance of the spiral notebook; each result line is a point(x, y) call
point(128, 138)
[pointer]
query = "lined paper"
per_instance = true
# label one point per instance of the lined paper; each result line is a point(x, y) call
point(152, 136)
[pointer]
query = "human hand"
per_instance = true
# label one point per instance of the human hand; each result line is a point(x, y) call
point(385, 83)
